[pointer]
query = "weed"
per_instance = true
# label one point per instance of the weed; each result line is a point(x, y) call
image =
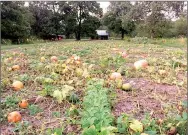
point(34, 109)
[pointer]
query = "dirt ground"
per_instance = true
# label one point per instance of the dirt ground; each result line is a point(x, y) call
point(147, 97)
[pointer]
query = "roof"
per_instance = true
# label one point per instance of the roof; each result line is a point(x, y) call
point(102, 32)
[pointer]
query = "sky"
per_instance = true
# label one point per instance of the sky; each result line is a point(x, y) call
point(104, 6)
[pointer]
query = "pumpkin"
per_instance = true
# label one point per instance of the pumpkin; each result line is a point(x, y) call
point(162, 72)
point(159, 121)
point(172, 131)
point(14, 117)
point(77, 58)
point(140, 64)
point(77, 62)
point(42, 59)
point(15, 67)
point(115, 76)
point(10, 58)
point(17, 85)
point(9, 69)
point(53, 58)
point(23, 104)
point(22, 54)
point(124, 54)
point(126, 86)
point(73, 98)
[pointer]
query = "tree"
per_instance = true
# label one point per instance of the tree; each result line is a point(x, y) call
point(83, 10)
point(15, 21)
point(180, 27)
point(89, 26)
point(41, 16)
point(68, 18)
point(155, 18)
point(118, 19)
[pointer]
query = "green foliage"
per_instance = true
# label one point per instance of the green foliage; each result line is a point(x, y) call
point(96, 108)
point(89, 26)
point(180, 27)
point(55, 131)
point(48, 90)
point(112, 62)
point(11, 102)
point(15, 21)
point(24, 77)
point(123, 124)
point(34, 109)
point(119, 19)
point(60, 95)
point(104, 131)
point(23, 128)
point(140, 40)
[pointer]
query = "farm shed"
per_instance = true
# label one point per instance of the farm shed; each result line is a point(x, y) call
point(102, 34)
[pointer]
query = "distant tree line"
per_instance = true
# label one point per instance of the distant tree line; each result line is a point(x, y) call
point(82, 18)
point(150, 19)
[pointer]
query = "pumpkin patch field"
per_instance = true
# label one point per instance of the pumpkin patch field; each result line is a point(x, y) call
point(112, 87)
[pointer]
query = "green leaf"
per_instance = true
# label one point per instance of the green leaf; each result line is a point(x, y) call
point(184, 116)
point(90, 131)
point(151, 132)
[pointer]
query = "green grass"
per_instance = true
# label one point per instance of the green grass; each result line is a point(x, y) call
point(171, 42)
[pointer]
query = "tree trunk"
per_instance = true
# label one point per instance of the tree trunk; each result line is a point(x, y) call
point(79, 27)
point(122, 34)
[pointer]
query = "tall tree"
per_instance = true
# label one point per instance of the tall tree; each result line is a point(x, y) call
point(15, 21)
point(84, 9)
point(119, 18)
point(89, 26)
point(42, 15)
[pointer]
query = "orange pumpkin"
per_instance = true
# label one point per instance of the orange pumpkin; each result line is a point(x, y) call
point(17, 85)
point(22, 54)
point(15, 67)
point(23, 104)
point(10, 58)
point(115, 76)
point(54, 59)
point(14, 117)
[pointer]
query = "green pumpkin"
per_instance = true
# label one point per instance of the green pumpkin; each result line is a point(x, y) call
point(73, 98)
